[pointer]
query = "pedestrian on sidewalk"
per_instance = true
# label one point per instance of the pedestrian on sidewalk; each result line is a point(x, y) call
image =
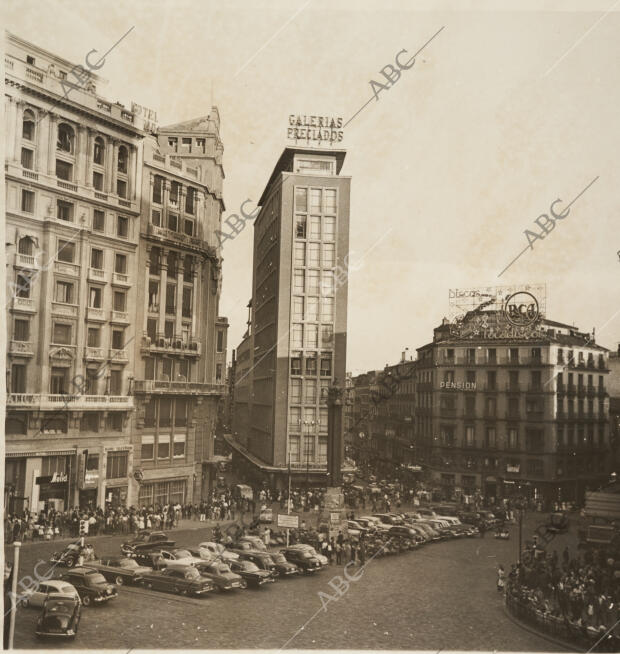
point(482, 528)
point(501, 577)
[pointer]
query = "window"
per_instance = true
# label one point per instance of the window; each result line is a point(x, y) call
point(188, 227)
point(179, 446)
point(491, 438)
point(297, 335)
point(314, 254)
point(171, 298)
point(295, 391)
point(25, 246)
point(220, 341)
point(180, 413)
point(98, 181)
point(90, 422)
point(311, 335)
point(66, 251)
point(294, 417)
point(168, 333)
point(323, 419)
point(163, 446)
point(300, 254)
point(64, 210)
point(64, 170)
point(153, 296)
point(117, 465)
point(536, 355)
point(121, 188)
point(327, 309)
point(200, 144)
point(470, 406)
point(58, 381)
point(514, 355)
point(296, 365)
point(99, 151)
point(150, 410)
point(330, 200)
point(469, 436)
point(120, 301)
point(513, 379)
point(301, 199)
point(173, 222)
point(66, 138)
point(470, 376)
point(534, 440)
point(149, 368)
point(154, 261)
point(96, 259)
point(118, 339)
point(23, 285)
point(329, 255)
point(18, 378)
point(95, 297)
point(156, 217)
point(294, 448)
point(491, 407)
point(536, 380)
point(313, 281)
point(64, 292)
point(326, 365)
point(300, 227)
point(123, 157)
point(27, 158)
point(309, 448)
point(312, 308)
point(513, 439)
point(491, 380)
point(311, 365)
point(218, 372)
point(327, 282)
point(148, 447)
point(299, 280)
point(93, 337)
point(190, 200)
point(315, 227)
point(173, 143)
point(27, 201)
point(99, 221)
point(122, 226)
point(310, 391)
point(327, 335)
point(513, 407)
point(329, 228)
point(298, 308)
point(120, 264)
point(315, 200)
point(186, 309)
point(175, 194)
point(21, 330)
point(28, 124)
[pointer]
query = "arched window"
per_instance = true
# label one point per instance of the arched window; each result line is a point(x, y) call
point(66, 138)
point(122, 159)
point(99, 154)
point(28, 125)
point(25, 246)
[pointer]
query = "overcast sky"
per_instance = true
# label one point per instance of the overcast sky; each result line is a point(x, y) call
point(502, 113)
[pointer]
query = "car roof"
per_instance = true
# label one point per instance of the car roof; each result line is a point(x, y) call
point(83, 571)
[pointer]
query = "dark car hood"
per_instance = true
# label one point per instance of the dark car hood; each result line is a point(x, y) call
point(285, 566)
point(57, 621)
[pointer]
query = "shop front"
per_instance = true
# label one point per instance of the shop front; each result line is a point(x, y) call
point(162, 492)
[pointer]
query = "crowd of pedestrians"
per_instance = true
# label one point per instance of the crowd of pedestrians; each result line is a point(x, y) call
point(574, 597)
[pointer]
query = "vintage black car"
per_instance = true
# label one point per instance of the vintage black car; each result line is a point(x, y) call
point(183, 580)
point(303, 559)
point(146, 540)
point(221, 575)
point(70, 556)
point(119, 570)
point(273, 562)
point(252, 574)
point(91, 585)
point(558, 523)
point(60, 616)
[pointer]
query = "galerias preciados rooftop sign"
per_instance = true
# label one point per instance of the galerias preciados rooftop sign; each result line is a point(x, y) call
point(316, 129)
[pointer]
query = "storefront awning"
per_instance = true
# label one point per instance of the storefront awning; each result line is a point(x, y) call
point(15, 455)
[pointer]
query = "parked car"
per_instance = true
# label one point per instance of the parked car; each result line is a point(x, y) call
point(251, 573)
point(263, 560)
point(370, 526)
point(91, 585)
point(558, 523)
point(403, 531)
point(36, 595)
point(183, 580)
point(256, 542)
point(282, 567)
point(266, 515)
point(388, 519)
point(149, 559)
point(303, 559)
point(323, 560)
point(147, 540)
point(119, 570)
point(221, 575)
point(355, 528)
point(216, 550)
point(179, 556)
point(71, 554)
point(378, 524)
point(60, 616)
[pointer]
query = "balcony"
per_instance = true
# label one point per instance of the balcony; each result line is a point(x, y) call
point(119, 317)
point(96, 274)
point(120, 279)
point(62, 402)
point(67, 185)
point(178, 237)
point(590, 391)
point(93, 313)
point(119, 356)
point(601, 392)
point(171, 345)
point(62, 309)
point(154, 386)
point(513, 415)
point(513, 388)
point(535, 415)
point(561, 389)
point(571, 389)
point(22, 348)
point(581, 391)
point(23, 304)
point(94, 353)
point(447, 413)
point(26, 261)
point(66, 268)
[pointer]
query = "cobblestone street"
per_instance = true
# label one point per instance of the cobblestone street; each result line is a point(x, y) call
point(441, 596)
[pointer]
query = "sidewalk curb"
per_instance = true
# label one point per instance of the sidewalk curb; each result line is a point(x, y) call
point(556, 641)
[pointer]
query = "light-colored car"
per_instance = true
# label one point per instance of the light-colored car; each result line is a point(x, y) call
point(379, 526)
point(36, 596)
point(178, 557)
point(304, 546)
point(210, 550)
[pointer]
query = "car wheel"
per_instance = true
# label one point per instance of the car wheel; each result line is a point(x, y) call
point(25, 603)
point(86, 600)
point(70, 563)
point(243, 584)
point(118, 580)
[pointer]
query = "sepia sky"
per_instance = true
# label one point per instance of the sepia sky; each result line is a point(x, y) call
point(503, 112)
